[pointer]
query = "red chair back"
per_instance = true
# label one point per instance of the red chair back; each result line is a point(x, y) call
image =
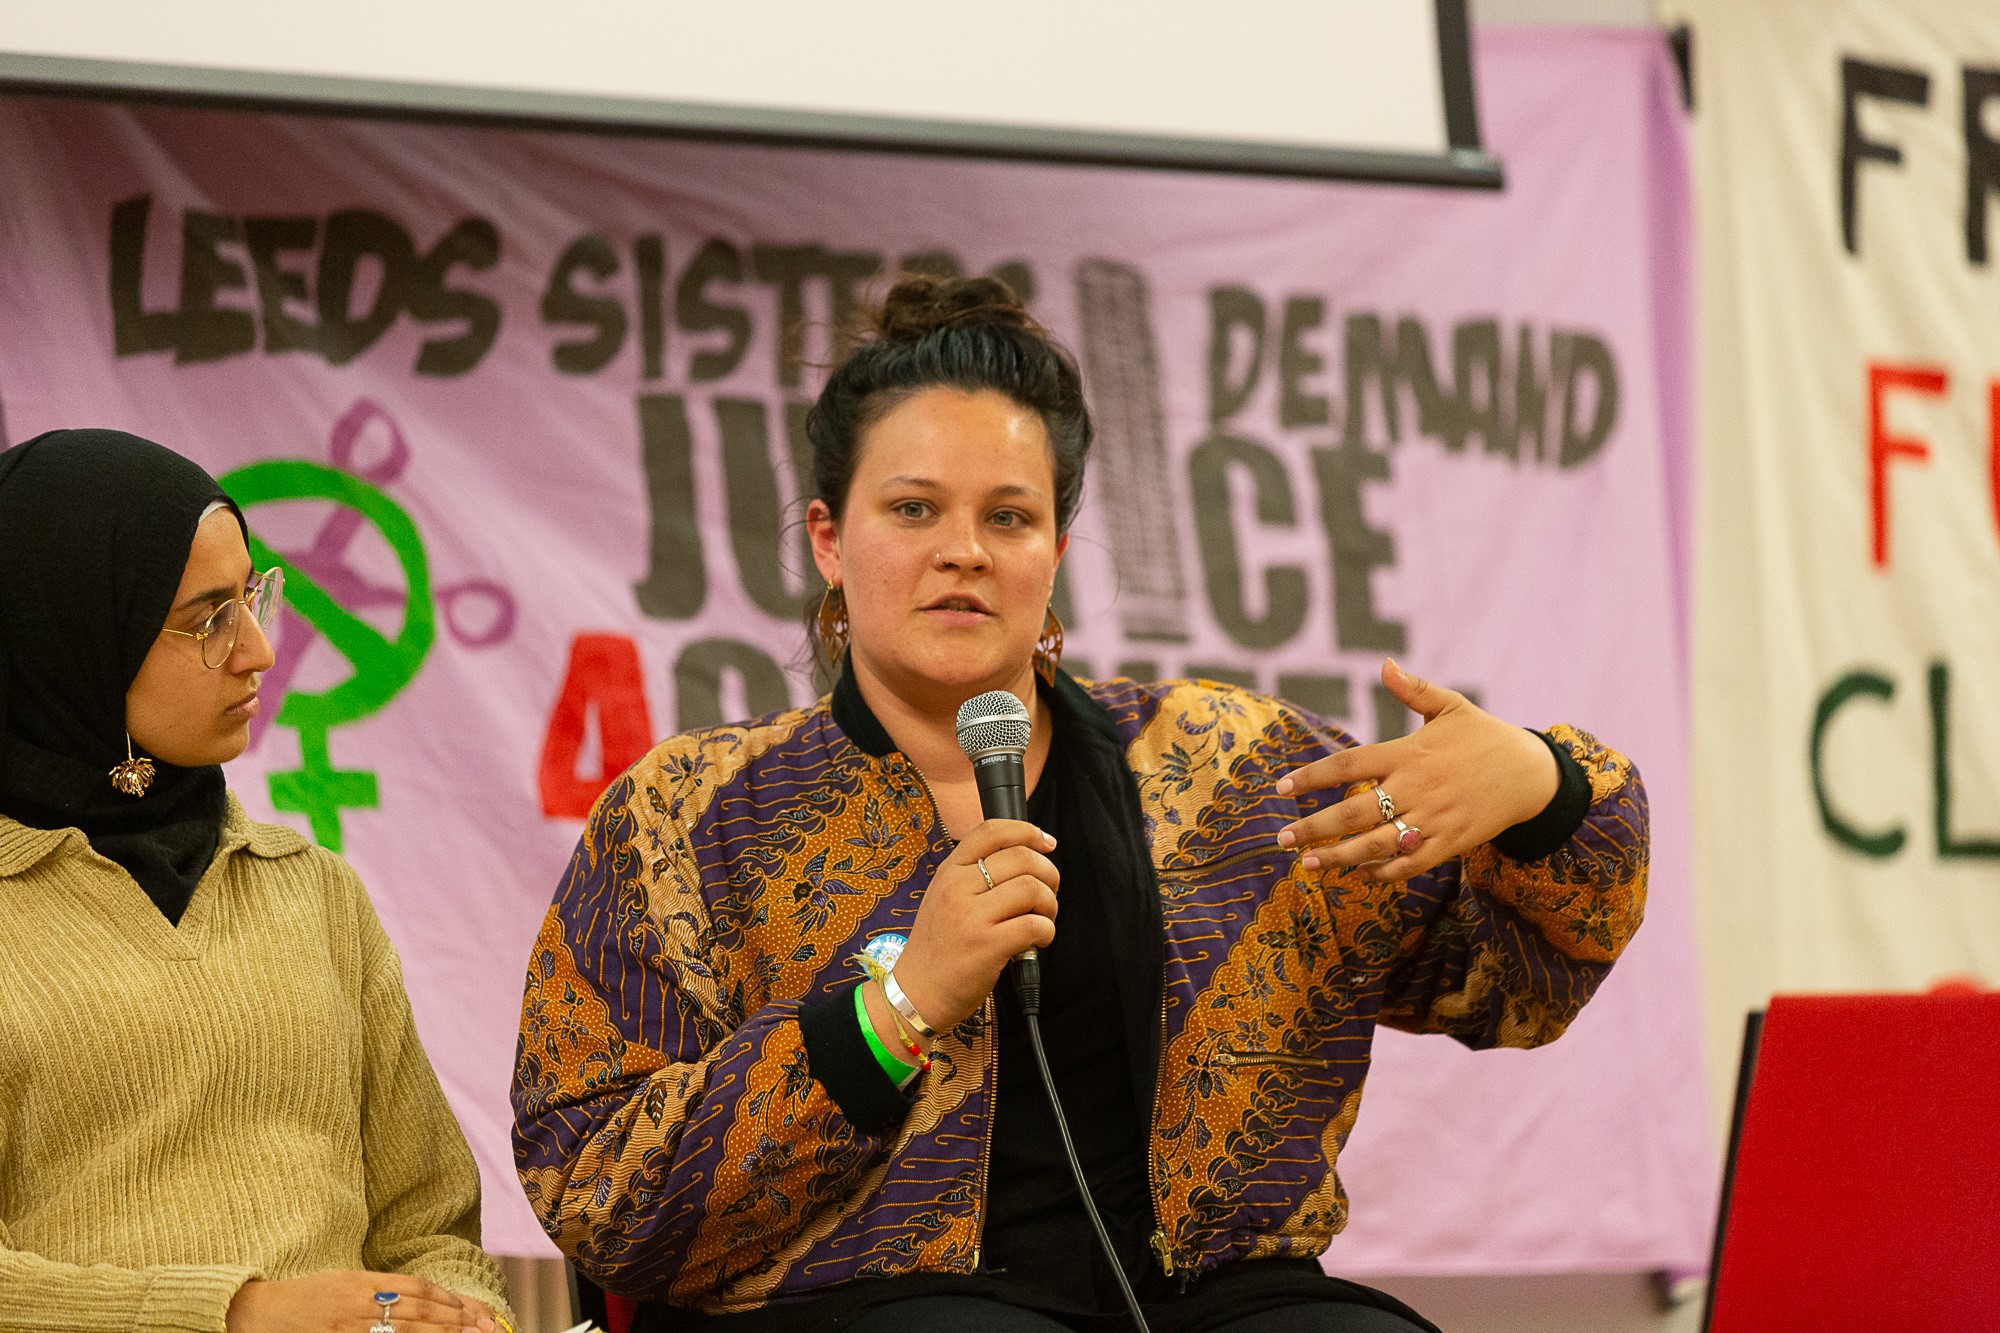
point(1865, 1193)
point(587, 1300)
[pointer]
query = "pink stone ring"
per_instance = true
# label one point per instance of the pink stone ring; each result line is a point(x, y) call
point(1408, 837)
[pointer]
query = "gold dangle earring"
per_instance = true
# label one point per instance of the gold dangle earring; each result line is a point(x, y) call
point(832, 624)
point(1048, 649)
point(134, 775)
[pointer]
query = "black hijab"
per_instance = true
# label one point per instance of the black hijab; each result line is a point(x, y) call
point(95, 530)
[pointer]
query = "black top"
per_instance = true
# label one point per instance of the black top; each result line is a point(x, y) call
point(1096, 977)
point(1102, 982)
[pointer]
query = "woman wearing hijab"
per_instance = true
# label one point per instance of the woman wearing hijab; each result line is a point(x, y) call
point(765, 1076)
point(214, 1110)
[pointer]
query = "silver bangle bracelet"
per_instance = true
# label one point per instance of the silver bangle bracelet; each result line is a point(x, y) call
point(901, 1004)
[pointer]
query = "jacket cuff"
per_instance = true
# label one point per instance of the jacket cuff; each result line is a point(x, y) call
point(1533, 839)
point(838, 1056)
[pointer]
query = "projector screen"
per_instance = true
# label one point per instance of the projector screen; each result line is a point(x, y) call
point(1368, 89)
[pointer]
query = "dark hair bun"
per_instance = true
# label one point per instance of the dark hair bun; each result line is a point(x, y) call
point(920, 305)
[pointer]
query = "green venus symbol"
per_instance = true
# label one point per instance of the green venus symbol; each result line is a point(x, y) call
point(382, 667)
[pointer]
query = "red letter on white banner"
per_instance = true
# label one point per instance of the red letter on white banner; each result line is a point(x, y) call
point(1883, 446)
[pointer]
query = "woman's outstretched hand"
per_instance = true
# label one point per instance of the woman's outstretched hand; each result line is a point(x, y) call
point(967, 928)
point(1461, 778)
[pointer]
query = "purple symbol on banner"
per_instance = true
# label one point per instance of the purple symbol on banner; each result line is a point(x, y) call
point(477, 613)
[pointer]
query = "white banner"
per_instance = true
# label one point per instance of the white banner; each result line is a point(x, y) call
point(1847, 750)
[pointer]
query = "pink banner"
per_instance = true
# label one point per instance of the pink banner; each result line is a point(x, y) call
point(522, 412)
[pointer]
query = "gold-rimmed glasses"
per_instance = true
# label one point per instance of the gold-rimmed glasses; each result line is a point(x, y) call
point(264, 595)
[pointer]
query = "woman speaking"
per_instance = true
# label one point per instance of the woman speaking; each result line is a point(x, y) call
point(765, 1078)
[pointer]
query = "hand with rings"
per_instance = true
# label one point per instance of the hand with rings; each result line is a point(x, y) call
point(1459, 780)
point(993, 897)
point(1408, 839)
point(355, 1302)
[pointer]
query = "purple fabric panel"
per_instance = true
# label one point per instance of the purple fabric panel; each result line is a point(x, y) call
point(929, 1183)
point(601, 906)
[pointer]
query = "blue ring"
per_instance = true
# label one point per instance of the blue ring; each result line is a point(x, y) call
point(385, 1299)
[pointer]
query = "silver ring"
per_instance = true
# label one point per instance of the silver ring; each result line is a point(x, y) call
point(385, 1299)
point(1408, 837)
point(984, 873)
point(1387, 806)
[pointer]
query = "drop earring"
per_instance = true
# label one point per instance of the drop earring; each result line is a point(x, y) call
point(1048, 650)
point(832, 625)
point(134, 775)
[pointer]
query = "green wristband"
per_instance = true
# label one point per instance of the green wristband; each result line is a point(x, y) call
point(899, 1072)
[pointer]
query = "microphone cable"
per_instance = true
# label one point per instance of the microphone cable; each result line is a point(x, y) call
point(1027, 974)
point(993, 730)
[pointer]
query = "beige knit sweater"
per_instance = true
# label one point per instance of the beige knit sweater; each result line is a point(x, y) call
point(185, 1108)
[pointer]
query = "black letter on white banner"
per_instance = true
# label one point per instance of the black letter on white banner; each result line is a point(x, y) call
point(1982, 159)
point(1860, 79)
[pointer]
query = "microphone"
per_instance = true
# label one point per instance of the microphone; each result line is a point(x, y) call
point(993, 731)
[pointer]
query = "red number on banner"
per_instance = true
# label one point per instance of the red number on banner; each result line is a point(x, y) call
point(603, 671)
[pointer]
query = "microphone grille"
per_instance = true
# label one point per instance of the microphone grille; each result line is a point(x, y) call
point(992, 721)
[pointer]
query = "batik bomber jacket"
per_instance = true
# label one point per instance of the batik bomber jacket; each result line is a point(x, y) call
point(673, 1139)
